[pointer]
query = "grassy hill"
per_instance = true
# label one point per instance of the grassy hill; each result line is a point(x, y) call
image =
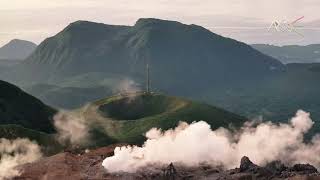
point(120, 118)
point(116, 119)
point(127, 117)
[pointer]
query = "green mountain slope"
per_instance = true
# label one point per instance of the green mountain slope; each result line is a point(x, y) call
point(18, 107)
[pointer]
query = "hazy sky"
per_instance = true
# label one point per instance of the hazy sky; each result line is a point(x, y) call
point(37, 19)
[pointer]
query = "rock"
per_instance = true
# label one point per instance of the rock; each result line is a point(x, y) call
point(70, 166)
point(170, 172)
point(276, 167)
point(257, 172)
point(304, 168)
point(247, 165)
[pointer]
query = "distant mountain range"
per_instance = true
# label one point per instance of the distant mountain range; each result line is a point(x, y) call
point(291, 53)
point(17, 50)
point(183, 58)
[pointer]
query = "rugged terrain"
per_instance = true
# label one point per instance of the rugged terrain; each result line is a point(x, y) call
point(88, 165)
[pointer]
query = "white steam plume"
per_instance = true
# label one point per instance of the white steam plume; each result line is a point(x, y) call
point(72, 126)
point(14, 153)
point(197, 143)
point(126, 86)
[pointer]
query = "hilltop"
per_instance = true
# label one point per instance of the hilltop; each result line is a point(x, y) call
point(125, 118)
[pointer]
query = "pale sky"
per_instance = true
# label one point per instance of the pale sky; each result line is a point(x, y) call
point(36, 20)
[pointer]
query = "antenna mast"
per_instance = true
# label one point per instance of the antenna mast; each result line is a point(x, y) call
point(148, 77)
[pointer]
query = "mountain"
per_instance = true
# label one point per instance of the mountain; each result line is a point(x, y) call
point(20, 108)
point(291, 53)
point(181, 57)
point(17, 50)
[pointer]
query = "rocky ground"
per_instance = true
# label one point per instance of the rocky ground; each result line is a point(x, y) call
point(76, 165)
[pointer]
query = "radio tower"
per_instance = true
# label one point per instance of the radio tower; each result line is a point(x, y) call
point(147, 78)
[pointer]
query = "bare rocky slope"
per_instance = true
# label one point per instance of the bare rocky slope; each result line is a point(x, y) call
point(74, 165)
